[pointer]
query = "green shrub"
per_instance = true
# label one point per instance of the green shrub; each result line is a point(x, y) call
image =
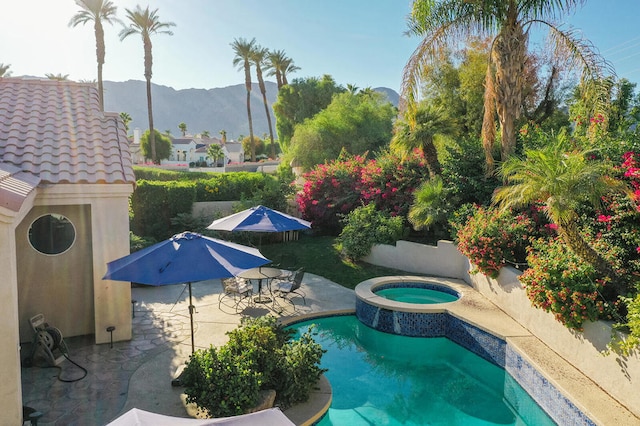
point(296, 376)
point(154, 204)
point(366, 226)
point(231, 186)
point(260, 354)
point(629, 340)
point(220, 383)
point(156, 173)
point(138, 243)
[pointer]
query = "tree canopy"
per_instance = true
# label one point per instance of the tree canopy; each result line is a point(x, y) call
point(301, 99)
point(162, 145)
point(356, 123)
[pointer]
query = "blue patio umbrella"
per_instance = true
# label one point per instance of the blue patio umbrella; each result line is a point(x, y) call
point(259, 219)
point(185, 258)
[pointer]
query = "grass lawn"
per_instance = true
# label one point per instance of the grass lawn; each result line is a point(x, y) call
point(318, 256)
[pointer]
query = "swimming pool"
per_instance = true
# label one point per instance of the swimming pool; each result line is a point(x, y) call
point(385, 379)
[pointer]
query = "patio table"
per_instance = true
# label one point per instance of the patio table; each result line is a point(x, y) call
point(261, 274)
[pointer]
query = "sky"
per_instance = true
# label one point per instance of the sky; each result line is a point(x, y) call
point(358, 42)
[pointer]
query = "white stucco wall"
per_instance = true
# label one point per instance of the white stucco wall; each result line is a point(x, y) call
point(11, 388)
point(10, 376)
point(619, 376)
point(212, 209)
point(110, 235)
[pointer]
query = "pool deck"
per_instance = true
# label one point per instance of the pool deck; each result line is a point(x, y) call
point(138, 373)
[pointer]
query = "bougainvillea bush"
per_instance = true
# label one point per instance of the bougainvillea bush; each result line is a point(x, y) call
point(492, 239)
point(559, 282)
point(334, 189)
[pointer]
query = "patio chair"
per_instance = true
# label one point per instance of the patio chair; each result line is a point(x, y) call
point(289, 285)
point(234, 292)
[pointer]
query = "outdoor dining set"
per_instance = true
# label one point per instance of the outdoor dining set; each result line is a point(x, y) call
point(275, 290)
point(191, 257)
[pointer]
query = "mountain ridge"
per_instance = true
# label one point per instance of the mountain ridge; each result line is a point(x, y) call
point(213, 110)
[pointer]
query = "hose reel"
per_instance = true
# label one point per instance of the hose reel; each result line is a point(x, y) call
point(48, 343)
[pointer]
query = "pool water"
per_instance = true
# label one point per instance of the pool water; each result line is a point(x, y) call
point(416, 295)
point(386, 379)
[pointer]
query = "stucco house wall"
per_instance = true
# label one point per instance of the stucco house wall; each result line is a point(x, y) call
point(59, 153)
point(619, 376)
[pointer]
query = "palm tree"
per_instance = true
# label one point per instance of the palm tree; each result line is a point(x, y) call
point(562, 181)
point(444, 23)
point(205, 134)
point(259, 58)
point(352, 88)
point(223, 134)
point(4, 70)
point(98, 11)
point(215, 151)
point(126, 119)
point(243, 50)
point(275, 59)
point(418, 130)
point(146, 22)
point(183, 128)
point(59, 76)
point(288, 68)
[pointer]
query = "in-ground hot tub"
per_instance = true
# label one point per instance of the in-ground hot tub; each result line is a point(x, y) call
point(406, 305)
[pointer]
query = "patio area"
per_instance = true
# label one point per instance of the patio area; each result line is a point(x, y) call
point(138, 373)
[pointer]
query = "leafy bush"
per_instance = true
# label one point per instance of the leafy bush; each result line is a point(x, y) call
point(492, 239)
point(220, 383)
point(154, 204)
point(260, 354)
point(559, 282)
point(231, 186)
point(138, 243)
point(366, 226)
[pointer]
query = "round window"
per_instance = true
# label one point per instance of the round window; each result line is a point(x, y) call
point(52, 234)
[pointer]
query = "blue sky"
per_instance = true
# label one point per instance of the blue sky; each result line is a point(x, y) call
point(358, 42)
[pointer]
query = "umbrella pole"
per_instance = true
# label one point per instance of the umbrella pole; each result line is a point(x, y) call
point(191, 309)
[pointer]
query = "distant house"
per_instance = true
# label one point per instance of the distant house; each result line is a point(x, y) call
point(183, 152)
point(236, 152)
point(65, 181)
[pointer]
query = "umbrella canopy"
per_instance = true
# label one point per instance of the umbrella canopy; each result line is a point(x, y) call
point(137, 417)
point(259, 219)
point(185, 258)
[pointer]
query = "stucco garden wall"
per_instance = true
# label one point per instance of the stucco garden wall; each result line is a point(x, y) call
point(617, 375)
point(212, 209)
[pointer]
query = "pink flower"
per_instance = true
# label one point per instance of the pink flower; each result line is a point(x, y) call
point(604, 218)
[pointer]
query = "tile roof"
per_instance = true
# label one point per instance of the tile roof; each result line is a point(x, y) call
point(54, 132)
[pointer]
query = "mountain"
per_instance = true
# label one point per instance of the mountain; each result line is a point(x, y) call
point(200, 109)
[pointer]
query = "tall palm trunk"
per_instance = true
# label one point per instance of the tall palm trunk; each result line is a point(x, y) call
point(100, 53)
point(488, 134)
point(247, 84)
point(263, 90)
point(431, 157)
point(509, 55)
point(148, 64)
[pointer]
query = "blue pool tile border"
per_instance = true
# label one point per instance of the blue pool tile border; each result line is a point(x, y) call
point(483, 344)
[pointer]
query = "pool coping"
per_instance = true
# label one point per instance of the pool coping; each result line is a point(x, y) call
point(475, 310)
